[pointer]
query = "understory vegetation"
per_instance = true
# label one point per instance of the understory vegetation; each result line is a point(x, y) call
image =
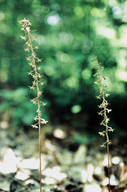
point(69, 35)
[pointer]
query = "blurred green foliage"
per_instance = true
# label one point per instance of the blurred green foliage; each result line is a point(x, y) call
point(69, 35)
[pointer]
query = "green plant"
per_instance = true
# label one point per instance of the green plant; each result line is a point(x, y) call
point(36, 79)
point(104, 109)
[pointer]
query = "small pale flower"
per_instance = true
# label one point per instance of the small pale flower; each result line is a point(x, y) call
point(33, 101)
point(34, 38)
point(39, 75)
point(36, 118)
point(28, 29)
point(31, 87)
point(39, 93)
point(26, 49)
point(109, 110)
point(38, 60)
point(43, 121)
point(28, 58)
point(23, 38)
point(107, 95)
point(102, 134)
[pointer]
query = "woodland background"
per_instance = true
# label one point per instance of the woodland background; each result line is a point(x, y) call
point(70, 34)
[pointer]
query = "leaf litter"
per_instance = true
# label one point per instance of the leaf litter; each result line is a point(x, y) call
point(66, 165)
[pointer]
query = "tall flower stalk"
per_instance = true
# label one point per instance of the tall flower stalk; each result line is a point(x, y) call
point(103, 109)
point(33, 59)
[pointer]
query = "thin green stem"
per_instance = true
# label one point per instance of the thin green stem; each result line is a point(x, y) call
point(35, 74)
point(39, 113)
point(103, 112)
point(106, 124)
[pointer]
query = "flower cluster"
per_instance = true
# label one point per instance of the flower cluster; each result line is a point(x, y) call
point(32, 59)
point(104, 105)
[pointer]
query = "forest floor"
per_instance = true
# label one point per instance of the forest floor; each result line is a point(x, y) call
point(66, 165)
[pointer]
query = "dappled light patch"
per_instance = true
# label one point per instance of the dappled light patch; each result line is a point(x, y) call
point(117, 12)
point(76, 109)
point(58, 133)
point(41, 39)
point(22, 175)
point(86, 74)
point(106, 32)
point(79, 11)
point(53, 19)
point(66, 38)
point(9, 162)
point(98, 12)
point(121, 75)
point(4, 125)
point(116, 160)
point(2, 15)
point(71, 82)
point(64, 57)
point(54, 173)
point(49, 70)
point(123, 40)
